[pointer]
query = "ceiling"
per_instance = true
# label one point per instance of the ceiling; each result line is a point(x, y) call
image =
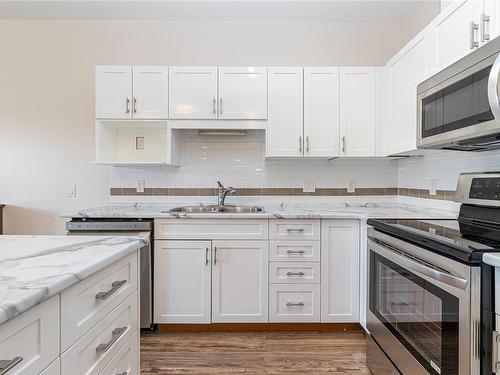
point(234, 10)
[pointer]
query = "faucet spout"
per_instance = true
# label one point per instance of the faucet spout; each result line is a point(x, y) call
point(223, 192)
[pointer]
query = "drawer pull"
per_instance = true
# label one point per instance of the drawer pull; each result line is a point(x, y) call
point(295, 303)
point(123, 373)
point(295, 273)
point(295, 252)
point(115, 335)
point(114, 287)
point(300, 230)
point(6, 365)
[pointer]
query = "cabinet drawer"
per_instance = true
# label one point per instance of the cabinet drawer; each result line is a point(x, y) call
point(126, 361)
point(294, 273)
point(53, 369)
point(216, 229)
point(93, 352)
point(294, 229)
point(294, 303)
point(87, 302)
point(30, 341)
point(294, 251)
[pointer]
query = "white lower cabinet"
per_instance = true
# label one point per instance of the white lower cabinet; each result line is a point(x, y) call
point(239, 281)
point(340, 271)
point(126, 361)
point(53, 369)
point(183, 281)
point(294, 303)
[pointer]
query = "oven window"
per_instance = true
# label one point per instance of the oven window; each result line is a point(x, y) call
point(423, 317)
point(462, 104)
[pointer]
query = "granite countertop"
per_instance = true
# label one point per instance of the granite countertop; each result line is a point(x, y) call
point(34, 268)
point(349, 211)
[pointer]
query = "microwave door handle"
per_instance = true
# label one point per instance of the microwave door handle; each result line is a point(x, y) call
point(493, 82)
point(413, 265)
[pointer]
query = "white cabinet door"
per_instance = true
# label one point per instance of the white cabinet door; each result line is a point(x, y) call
point(410, 66)
point(321, 112)
point(193, 92)
point(357, 111)
point(340, 271)
point(242, 93)
point(182, 281)
point(285, 125)
point(150, 88)
point(240, 281)
point(454, 37)
point(113, 92)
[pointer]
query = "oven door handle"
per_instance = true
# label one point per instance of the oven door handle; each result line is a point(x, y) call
point(405, 261)
point(493, 81)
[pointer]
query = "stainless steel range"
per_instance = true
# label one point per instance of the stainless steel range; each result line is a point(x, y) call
point(430, 297)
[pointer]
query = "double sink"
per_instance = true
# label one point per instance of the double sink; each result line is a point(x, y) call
point(216, 209)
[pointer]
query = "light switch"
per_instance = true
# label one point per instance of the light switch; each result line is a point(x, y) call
point(351, 186)
point(139, 143)
point(140, 186)
point(433, 187)
point(309, 187)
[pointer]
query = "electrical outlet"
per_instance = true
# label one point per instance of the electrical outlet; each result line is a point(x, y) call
point(309, 187)
point(140, 186)
point(433, 187)
point(351, 186)
point(71, 192)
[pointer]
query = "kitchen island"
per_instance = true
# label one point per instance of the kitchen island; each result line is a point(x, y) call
point(69, 304)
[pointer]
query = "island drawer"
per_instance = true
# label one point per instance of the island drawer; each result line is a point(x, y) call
point(92, 353)
point(84, 304)
point(294, 303)
point(295, 251)
point(294, 229)
point(216, 229)
point(294, 272)
point(126, 361)
point(53, 369)
point(30, 341)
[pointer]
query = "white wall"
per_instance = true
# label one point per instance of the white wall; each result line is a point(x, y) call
point(47, 90)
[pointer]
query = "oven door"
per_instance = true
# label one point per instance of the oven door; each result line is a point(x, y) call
point(463, 111)
point(421, 315)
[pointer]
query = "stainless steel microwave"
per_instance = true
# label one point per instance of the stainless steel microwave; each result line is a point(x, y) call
point(459, 107)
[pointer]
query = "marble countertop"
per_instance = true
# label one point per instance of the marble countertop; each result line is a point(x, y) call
point(34, 268)
point(363, 211)
point(493, 259)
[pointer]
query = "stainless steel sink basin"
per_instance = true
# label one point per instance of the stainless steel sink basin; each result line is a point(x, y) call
point(217, 209)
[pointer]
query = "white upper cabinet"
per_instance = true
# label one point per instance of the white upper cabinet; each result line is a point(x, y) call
point(410, 66)
point(240, 281)
point(150, 89)
point(183, 285)
point(457, 31)
point(285, 125)
point(113, 92)
point(193, 93)
point(321, 112)
point(357, 111)
point(242, 93)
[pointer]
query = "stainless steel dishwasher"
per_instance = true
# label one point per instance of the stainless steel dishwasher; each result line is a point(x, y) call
point(126, 227)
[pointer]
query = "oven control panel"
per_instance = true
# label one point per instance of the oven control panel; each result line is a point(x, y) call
point(487, 188)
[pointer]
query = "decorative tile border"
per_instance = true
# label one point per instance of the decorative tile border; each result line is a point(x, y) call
point(448, 195)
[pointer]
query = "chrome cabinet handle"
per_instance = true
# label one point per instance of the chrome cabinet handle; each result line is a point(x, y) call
point(493, 81)
point(300, 144)
point(128, 105)
point(215, 255)
point(214, 105)
point(220, 105)
point(474, 27)
point(135, 105)
point(343, 143)
point(485, 32)
point(295, 252)
point(123, 373)
point(115, 285)
point(307, 144)
point(8, 364)
point(295, 303)
point(295, 273)
point(115, 335)
point(206, 256)
point(300, 230)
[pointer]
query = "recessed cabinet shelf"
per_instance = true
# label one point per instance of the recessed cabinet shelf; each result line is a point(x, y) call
point(129, 142)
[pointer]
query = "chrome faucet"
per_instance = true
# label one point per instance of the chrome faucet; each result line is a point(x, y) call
point(223, 192)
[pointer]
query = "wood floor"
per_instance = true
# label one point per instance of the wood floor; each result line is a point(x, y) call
point(201, 353)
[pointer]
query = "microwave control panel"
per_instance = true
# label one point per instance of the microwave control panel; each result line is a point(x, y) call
point(485, 188)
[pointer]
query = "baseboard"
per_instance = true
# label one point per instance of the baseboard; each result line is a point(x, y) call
point(260, 327)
